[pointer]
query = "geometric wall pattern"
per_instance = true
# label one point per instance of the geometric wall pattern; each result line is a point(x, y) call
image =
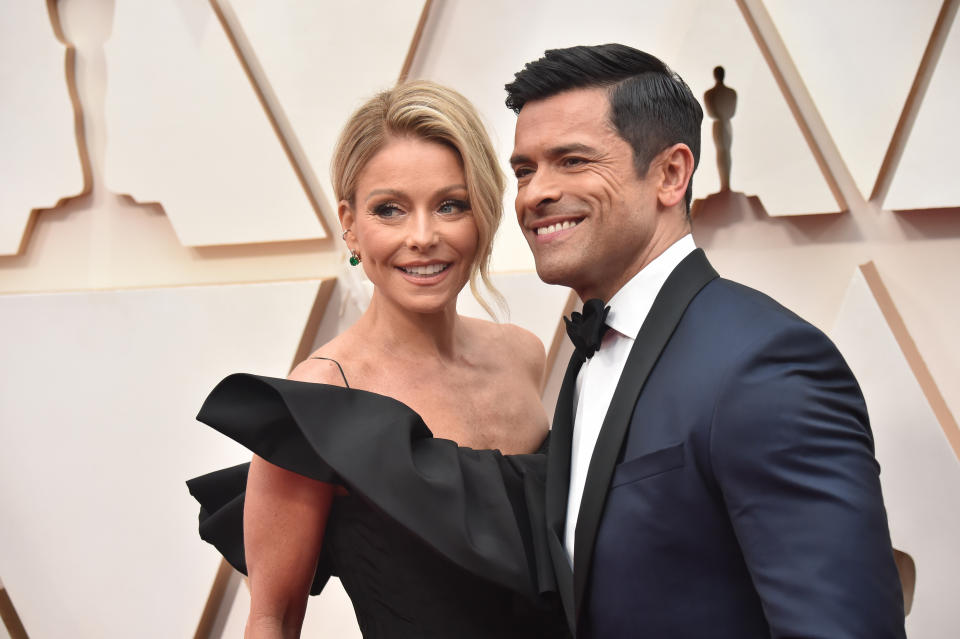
point(929, 157)
point(98, 436)
point(771, 158)
point(246, 177)
point(38, 146)
point(186, 129)
point(251, 94)
point(318, 69)
point(867, 52)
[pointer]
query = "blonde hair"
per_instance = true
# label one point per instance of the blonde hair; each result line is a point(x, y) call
point(429, 111)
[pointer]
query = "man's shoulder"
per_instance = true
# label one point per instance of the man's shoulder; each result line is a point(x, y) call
point(727, 299)
point(731, 328)
point(733, 316)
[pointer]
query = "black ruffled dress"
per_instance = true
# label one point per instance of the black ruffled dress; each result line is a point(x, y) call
point(433, 540)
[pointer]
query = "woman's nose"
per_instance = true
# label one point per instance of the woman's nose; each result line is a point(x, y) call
point(422, 232)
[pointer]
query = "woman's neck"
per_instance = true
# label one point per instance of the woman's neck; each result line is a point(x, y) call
point(406, 334)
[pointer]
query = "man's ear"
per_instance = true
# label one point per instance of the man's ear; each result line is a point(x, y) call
point(347, 218)
point(675, 165)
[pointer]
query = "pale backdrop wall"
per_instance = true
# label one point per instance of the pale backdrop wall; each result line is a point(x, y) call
point(820, 99)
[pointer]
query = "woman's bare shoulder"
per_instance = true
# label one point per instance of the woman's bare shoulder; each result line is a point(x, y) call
point(513, 343)
point(326, 365)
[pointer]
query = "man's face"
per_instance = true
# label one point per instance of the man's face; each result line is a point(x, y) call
point(588, 217)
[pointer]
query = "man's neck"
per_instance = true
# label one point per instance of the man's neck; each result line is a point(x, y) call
point(654, 249)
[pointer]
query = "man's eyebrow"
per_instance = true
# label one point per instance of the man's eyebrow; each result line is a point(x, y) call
point(565, 149)
point(555, 152)
point(518, 158)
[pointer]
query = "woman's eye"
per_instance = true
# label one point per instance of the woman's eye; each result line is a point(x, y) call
point(387, 210)
point(453, 206)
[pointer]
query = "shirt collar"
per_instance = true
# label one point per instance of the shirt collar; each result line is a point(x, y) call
point(631, 304)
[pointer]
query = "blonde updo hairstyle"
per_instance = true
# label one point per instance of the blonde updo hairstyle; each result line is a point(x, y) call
point(432, 112)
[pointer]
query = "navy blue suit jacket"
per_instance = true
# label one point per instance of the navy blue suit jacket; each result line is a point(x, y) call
point(733, 491)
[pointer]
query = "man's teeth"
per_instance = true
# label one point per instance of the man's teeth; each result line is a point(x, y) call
point(429, 269)
point(553, 228)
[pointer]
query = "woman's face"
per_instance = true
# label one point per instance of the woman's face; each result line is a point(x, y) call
point(412, 224)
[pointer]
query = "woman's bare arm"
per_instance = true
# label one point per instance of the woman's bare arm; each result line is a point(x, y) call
point(284, 518)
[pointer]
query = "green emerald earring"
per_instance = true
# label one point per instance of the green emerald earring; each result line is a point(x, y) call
point(354, 256)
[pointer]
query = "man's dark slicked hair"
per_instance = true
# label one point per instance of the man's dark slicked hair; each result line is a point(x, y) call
point(651, 107)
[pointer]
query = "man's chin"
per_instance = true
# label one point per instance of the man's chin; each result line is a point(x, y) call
point(558, 274)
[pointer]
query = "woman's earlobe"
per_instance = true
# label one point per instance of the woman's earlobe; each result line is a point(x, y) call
point(345, 213)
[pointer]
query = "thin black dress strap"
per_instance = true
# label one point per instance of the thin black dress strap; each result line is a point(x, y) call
point(345, 382)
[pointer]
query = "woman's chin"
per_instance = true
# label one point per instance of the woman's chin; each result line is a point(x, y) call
point(412, 298)
point(430, 306)
point(419, 304)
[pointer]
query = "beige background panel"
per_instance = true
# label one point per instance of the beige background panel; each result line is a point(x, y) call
point(38, 148)
point(927, 296)
point(919, 472)
point(103, 241)
point(926, 177)
point(106, 241)
point(908, 347)
point(319, 61)
point(185, 129)
point(865, 53)
point(771, 158)
point(99, 437)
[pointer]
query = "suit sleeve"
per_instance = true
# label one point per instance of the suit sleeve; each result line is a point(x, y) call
point(792, 453)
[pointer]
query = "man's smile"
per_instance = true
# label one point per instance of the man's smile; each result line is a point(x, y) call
point(556, 227)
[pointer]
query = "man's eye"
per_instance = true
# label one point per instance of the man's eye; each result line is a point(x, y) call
point(573, 161)
point(522, 171)
point(387, 210)
point(453, 206)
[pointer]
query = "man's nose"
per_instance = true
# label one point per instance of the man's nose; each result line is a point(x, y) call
point(541, 188)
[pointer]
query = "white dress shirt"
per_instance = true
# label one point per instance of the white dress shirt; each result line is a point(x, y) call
point(599, 375)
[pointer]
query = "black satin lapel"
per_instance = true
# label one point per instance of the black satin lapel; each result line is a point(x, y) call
point(558, 483)
point(558, 455)
point(683, 284)
point(564, 578)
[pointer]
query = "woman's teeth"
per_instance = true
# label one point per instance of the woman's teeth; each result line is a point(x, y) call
point(553, 228)
point(429, 269)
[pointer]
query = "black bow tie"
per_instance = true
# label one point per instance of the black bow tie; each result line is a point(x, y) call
point(586, 329)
